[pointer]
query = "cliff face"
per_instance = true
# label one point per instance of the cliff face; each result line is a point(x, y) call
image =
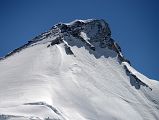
point(74, 71)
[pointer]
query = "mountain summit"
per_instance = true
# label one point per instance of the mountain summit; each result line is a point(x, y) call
point(93, 33)
point(74, 71)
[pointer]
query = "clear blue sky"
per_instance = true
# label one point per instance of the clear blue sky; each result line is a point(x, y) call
point(134, 25)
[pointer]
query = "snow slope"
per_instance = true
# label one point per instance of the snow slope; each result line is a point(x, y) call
point(75, 71)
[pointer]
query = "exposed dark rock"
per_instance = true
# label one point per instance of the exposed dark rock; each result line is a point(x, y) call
point(92, 48)
point(75, 33)
point(68, 50)
point(65, 28)
point(134, 80)
point(58, 40)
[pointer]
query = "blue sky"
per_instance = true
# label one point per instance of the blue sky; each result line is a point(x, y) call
point(134, 25)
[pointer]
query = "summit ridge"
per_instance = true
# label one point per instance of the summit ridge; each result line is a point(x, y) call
point(92, 32)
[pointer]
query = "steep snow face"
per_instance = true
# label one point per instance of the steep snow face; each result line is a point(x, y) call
point(75, 71)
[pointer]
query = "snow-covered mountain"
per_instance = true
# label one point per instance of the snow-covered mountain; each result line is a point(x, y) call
point(74, 71)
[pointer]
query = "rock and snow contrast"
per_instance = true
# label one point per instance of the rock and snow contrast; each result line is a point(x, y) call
point(74, 71)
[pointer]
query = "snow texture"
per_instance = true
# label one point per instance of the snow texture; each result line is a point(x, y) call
point(74, 71)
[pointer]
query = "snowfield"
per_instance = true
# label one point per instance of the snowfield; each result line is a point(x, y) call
point(75, 74)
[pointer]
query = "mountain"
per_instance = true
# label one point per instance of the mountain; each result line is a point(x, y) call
point(74, 71)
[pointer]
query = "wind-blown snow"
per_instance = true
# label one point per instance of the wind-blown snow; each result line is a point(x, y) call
point(44, 82)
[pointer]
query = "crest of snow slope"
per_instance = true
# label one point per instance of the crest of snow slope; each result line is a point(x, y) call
point(74, 71)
